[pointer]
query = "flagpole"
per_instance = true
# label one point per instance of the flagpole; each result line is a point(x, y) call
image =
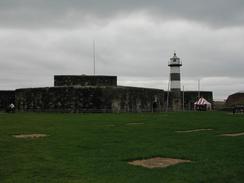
point(183, 105)
point(198, 88)
point(94, 57)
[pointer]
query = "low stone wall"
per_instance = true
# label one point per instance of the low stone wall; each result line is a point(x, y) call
point(190, 97)
point(84, 80)
point(6, 98)
point(89, 99)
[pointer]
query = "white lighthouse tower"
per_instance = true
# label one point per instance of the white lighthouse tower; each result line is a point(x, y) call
point(175, 86)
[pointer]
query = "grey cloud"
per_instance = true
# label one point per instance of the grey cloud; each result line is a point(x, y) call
point(51, 13)
point(126, 49)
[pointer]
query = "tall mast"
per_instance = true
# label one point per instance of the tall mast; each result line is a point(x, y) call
point(198, 88)
point(183, 99)
point(94, 57)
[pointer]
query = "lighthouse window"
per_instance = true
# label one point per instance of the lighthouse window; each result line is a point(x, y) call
point(174, 60)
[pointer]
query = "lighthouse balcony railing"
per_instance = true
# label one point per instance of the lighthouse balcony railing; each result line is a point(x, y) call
point(174, 63)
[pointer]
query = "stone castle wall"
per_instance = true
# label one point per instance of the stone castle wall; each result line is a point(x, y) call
point(84, 80)
point(95, 94)
point(89, 99)
point(6, 98)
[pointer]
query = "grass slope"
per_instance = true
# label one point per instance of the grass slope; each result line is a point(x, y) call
point(91, 148)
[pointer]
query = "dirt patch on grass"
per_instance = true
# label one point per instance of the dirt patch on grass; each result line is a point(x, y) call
point(157, 162)
point(233, 134)
point(29, 136)
point(194, 130)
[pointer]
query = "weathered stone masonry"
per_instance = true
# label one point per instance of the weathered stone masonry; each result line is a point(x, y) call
point(89, 94)
point(84, 80)
point(89, 99)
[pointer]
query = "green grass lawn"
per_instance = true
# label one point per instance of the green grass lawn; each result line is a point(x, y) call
point(96, 148)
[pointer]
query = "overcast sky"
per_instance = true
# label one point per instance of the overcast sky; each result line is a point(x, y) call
point(134, 40)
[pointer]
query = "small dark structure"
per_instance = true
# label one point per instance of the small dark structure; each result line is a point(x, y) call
point(235, 99)
point(238, 109)
point(235, 103)
point(6, 98)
